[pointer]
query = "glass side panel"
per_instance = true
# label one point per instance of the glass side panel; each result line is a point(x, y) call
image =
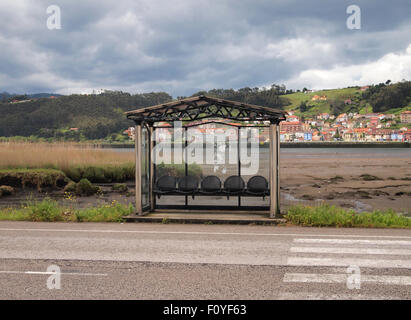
point(255, 160)
point(145, 169)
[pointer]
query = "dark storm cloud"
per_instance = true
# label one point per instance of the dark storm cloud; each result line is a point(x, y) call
point(183, 46)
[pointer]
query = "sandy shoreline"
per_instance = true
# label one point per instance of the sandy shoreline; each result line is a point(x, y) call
point(339, 181)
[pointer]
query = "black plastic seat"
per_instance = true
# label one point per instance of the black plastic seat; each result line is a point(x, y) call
point(258, 186)
point(210, 185)
point(165, 185)
point(188, 185)
point(234, 185)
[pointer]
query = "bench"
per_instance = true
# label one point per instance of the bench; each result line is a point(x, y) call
point(256, 186)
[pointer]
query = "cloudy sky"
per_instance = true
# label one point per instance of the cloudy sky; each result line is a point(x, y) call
point(183, 46)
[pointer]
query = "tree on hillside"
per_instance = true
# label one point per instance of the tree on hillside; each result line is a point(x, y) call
point(383, 97)
point(337, 106)
point(303, 106)
point(337, 135)
point(96, 116)
point(271, 97)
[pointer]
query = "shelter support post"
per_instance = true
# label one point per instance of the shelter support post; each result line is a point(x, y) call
point(274, 170)
point(152, 160)
point(138, 151)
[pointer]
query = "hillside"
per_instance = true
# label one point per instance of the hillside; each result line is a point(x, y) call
point(319, 106)
point(90, 117)
point(8, 97)
point(95, 116)
point(384, 98)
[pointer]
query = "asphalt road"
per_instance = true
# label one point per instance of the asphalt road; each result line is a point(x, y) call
point(156, 261)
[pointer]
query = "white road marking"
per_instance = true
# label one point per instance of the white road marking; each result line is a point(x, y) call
point(339, 250)
point(338, 262)
point(204, 233)
point(342, 278)
point(324, 296)
point(52, 273)
point(352, 241)
point(345, 261)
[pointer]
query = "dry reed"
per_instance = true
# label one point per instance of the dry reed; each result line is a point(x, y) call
point(58, 155)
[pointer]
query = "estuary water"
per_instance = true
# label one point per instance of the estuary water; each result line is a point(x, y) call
point(327, 153)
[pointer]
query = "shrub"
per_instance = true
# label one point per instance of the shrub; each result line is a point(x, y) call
point(74, 173)
point(120, 187)
point(195, 170)
point(362, 194)
point(105, 213)
point(336, 179)
point(70, 187)
point(118, 173)
point(178, 170)
point(94, 174)
point(369, 177)
point(39, 178)
point(85, 188)
point(6, 191)
point(46, 210)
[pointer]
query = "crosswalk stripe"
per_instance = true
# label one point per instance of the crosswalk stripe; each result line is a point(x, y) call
point(331, 262)
point(344, 258)
point(343, 250)
point(325, 296)
point(342, 278)
point(352, 241)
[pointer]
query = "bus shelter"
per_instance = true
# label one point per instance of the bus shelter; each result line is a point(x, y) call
point(172, 139)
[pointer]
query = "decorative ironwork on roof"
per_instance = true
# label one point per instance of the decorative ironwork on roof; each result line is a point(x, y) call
point(202, 107)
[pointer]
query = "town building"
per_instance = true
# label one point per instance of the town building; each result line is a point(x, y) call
point(291, 127)
point(323, 116)
point(317, 97)
point(405, 117)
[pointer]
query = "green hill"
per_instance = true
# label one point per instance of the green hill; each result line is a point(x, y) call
point(320, 106)
point(102, 116)
point(384, 98)
point(96, 116)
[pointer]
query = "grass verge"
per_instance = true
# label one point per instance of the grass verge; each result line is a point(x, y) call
point(49, 210)
point(324, 215)
point(331, 216)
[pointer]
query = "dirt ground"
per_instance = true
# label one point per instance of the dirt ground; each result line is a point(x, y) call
point(359, 183)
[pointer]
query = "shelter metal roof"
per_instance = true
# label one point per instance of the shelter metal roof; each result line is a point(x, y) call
point(202, 107)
